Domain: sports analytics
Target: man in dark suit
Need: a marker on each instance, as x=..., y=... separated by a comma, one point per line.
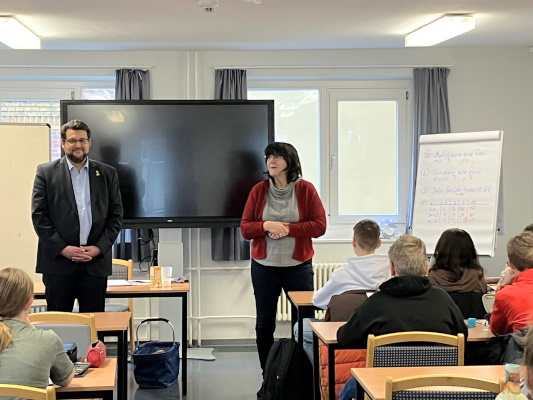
x=77, y=214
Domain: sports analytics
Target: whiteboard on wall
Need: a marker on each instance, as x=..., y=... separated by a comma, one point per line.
x=457, y=186
x=22, y=148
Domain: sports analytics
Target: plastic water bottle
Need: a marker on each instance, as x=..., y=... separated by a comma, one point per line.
x=511, y=390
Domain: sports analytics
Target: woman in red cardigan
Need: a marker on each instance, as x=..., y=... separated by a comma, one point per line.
x=282, y=215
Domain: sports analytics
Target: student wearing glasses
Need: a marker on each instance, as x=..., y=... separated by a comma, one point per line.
x=282, y=215
x=77, y=215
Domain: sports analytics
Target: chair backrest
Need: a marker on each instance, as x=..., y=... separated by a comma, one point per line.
x=416, y=349
x=397, y=389
x=122, y=269
x=38, y=308
x=488, y=302
x=27, y=392
x=70, y=327
x=342, y=306
x=470, y=304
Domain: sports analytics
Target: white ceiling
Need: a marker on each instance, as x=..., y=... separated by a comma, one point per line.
x=271, y=25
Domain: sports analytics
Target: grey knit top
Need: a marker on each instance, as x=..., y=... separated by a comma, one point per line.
x=281, y=205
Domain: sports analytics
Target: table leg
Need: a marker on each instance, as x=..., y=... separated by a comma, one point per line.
x=300, y=329
x=184, y=344
x=122, y=361
x=331, y=372
x=294, y=318
x=122, y=365
x=360, y=392
x=316, y=368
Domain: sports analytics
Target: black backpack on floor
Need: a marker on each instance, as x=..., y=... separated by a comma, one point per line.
x=281, y=380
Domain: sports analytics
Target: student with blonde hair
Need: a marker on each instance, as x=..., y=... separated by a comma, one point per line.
x=28, y=356
x=365, y=272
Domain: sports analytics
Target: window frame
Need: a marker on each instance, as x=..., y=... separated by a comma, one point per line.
x=403, y=160
x=340, y=228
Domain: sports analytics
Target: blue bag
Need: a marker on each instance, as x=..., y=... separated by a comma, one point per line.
x=156, y=364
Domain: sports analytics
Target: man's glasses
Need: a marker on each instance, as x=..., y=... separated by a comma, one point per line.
x=74, y=141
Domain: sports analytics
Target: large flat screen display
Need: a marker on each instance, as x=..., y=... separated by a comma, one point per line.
x=180, y=163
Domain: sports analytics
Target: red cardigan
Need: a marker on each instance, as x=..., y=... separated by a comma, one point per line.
x=312, y=222
x=513, y=305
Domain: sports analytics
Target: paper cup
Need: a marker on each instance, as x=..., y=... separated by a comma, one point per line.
x=166, y=274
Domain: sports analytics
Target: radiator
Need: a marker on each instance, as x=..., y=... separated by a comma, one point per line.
x=322, y=271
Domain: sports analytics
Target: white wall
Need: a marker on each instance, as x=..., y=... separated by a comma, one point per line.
x=489, y=89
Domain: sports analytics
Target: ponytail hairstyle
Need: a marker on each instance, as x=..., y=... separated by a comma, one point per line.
x=16, y=289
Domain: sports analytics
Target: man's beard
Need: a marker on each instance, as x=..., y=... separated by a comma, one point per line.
x=77, y=160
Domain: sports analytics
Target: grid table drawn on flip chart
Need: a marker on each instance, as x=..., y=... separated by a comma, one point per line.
x=457, y=186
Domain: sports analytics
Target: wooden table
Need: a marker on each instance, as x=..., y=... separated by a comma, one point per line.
x=300, y=301
x=327, y=333
x=179, y=290
x=97, y=382
x=372, y=380
x=480, y=333
x=116, y=324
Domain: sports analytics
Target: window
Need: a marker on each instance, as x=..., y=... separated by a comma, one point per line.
x=369, y=163
x=296, y=115
x=36, y=112
x=353, y=142
x=98, y=94
x=35, y=106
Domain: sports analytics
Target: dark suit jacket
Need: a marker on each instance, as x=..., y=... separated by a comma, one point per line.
x=55, y=216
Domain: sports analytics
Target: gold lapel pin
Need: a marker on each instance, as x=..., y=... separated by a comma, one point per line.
x=97, y=173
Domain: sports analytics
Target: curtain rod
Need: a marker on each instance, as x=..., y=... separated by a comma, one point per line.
x=78, y=66
x=329, y=66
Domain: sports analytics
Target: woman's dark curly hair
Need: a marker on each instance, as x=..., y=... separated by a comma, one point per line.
x=290, y=155
x=455, y=252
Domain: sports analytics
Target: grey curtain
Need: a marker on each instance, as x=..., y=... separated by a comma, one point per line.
x=431, y=115
x=227, y=244
x=231, y=84
x=132, y=84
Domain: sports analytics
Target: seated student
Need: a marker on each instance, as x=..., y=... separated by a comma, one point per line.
x=508, y=274
x=406, y=302
x=28, y=356
x=457, y=270
x=513, y=304
x=365, y=272
x=347, y=289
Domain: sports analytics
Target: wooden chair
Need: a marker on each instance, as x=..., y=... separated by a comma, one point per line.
x=488, y=301
x=398, y=389
x=123, y=269
x=388, y=351
x=27, y=392
x=70, y=327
